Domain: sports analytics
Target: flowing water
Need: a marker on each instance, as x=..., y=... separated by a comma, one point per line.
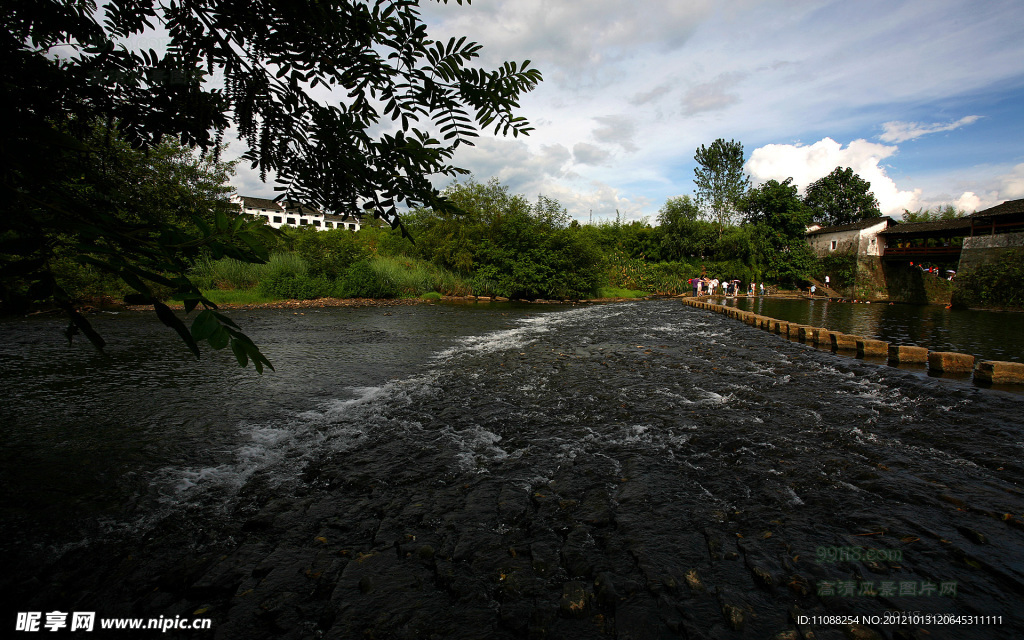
x=636, y=470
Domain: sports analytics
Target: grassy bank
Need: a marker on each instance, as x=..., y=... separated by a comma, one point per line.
x=289, y=276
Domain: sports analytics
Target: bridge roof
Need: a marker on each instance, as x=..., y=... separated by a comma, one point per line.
x=1008, y=208
x=863, y=223
x=931, y=229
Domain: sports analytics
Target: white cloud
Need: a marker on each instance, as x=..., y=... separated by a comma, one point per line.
x=1012, y=183
x=968, y=202
x=807, y=163
x=632, y=89
x=618, y=130
x=896, y=131
x=549, y=170
x=571, y=37
x=712, y=96
x=585, y=153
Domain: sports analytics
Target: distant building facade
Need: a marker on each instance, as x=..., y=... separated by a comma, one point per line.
x=859, y=237
x=277, y=215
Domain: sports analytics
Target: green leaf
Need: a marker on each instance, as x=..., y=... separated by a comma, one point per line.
x=138, y=299
x=239, y=349
x=225, y=320
x=191, y=304
x=219, y=339
x=204, y=325
x=171, y=320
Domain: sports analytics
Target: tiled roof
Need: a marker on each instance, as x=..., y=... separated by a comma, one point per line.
x=1007, y=208
x=905, y=228
x=259, y=203
x=302, y=209
x=853, y=226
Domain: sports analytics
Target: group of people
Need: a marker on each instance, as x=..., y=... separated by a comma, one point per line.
x=708, y=287
x=936, y=271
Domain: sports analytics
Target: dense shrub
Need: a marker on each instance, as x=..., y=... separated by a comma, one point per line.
x=841, y=268
x=294, y=286
x=331, y=253
x=287, y=275
x=365, y=279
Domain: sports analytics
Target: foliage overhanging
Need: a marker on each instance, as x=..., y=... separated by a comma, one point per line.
x=349, y=105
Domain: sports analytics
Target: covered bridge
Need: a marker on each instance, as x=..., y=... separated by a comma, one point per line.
x=993, y=232
x=934, y=241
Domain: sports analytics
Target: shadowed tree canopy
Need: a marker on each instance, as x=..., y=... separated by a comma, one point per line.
x=683, y=233
x=778, y=220
x=720, y=181
x=841, y=197
x=349, y=105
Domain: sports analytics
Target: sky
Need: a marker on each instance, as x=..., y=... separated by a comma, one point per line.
x=923, y=99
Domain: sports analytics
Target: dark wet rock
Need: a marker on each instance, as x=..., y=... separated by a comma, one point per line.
x=425, y=554
x=605, y=593
x=735, y=616
x=681, y=496
x=861, y=632
x=693, y=581
x=575, y=601
x=799, y=585
x=596, y=508
x=638, y=619
x=543, y=619
x=631, y=491
x=516, y=615
x=974, y=536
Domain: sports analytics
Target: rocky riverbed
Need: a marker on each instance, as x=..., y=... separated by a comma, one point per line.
x=643, y=470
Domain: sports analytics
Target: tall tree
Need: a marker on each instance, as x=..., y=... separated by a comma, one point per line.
x=778, y=221
x=841, y=197
x=348, y=104
x=682, y=231
x=720, y=180
x=940, y=212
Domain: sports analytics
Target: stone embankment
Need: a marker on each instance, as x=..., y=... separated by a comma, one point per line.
x=940, y=362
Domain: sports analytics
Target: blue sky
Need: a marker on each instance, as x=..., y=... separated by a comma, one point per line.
x=921, y=98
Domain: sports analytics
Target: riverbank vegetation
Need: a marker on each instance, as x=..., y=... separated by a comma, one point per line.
x=492, y=242
x=484, y=241
x=995, y=285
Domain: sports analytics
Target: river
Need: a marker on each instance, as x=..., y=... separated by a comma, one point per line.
x=632, y=470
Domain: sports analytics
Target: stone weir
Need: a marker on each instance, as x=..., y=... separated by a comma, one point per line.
x=940, y=362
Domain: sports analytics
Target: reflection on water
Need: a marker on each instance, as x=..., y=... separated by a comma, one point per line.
x=989, y=335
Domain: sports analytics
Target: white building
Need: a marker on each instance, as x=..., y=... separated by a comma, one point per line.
x=277, y=215
x=860, y=237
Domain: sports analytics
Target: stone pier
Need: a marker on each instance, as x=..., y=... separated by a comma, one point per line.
x=872, y=348
x=986, y=371
x=950, y=362
x=902, y=354
x=843, y=342
x=999, y=372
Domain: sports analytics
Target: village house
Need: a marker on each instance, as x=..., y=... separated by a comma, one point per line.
x=277, y=215
x=859, y=237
